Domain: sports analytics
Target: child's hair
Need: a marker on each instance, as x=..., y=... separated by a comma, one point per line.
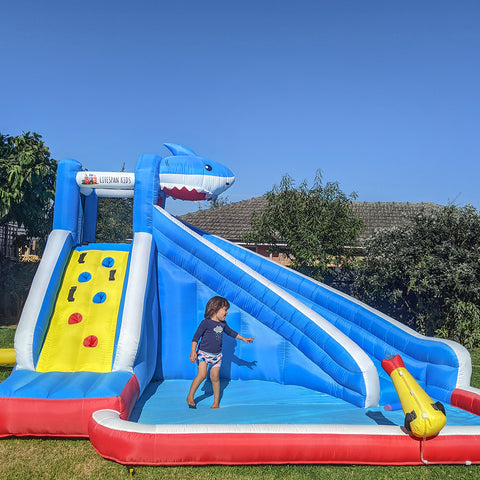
x=214, y=305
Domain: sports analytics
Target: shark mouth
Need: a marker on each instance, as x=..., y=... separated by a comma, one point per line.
x=194, y=187
x=185, y=194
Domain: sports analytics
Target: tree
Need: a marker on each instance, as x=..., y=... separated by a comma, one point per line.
x=27, y=189
x=27, y=183
x=212, y=204
x=312, y=226
x=427, y=273
x=114, y=219
x=219, y=202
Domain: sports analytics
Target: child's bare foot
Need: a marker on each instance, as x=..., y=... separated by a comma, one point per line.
x=215, y=406
x=191, y=403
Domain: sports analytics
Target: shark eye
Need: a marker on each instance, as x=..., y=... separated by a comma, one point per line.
x=208, y=167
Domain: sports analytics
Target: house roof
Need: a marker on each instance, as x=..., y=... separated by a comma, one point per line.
x=232, y=221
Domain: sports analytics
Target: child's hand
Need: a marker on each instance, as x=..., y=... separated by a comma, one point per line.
x=243, y=339
x=193, y=356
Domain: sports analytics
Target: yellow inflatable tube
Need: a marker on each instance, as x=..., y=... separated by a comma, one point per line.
x=423, y=417
x=7, y=356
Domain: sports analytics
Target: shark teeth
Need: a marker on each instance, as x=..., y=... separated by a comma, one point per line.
x=186, y=194
x=180, y=186
x=194, y=187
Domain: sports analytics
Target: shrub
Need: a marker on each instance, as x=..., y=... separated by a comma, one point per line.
x=427, y=273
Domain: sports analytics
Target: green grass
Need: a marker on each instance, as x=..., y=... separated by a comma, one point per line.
x=6, y=337
x=475, y=354
x=26, y=459
x=70, y=459
x=6, y=341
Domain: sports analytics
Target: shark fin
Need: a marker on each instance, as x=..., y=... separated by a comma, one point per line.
x=179, y=149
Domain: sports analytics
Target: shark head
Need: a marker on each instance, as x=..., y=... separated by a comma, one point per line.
x=186, y=176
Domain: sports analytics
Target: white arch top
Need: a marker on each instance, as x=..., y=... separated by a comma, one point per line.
x=106, y=184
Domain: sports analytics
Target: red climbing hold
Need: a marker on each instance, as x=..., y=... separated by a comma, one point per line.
x=75, y=318
x=90, y=341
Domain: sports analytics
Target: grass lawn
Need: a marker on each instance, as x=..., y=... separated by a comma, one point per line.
x=25, y=459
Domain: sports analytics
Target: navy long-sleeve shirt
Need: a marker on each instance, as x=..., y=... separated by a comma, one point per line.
x=211, y=333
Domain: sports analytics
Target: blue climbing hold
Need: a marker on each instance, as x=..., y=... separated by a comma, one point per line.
x=84, y=277
x=99, y=297
x=108, y=262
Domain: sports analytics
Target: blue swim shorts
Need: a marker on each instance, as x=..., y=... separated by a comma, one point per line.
x=215, y=361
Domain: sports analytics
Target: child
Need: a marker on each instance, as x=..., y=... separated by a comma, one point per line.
x=209, y=352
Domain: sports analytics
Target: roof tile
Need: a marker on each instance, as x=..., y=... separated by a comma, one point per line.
x=232, y=221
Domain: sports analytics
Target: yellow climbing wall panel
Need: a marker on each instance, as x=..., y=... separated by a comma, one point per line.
x=81, y=334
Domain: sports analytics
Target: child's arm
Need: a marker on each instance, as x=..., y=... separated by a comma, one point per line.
x=243, y=339
x=196, y=338
x=236, y=335
x=193, y=352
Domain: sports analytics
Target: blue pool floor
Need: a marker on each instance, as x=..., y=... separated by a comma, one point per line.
x=255, y=401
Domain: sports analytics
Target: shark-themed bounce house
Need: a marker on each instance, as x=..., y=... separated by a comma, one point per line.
x=102, y=346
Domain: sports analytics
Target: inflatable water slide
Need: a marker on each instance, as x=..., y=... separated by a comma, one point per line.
x=102, y=346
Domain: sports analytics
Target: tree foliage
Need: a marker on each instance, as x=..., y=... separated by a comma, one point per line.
x=212, y=204
x=114, y=219
x=27, y=183
x=219, y=202
x=312, y=226
x=427, y=273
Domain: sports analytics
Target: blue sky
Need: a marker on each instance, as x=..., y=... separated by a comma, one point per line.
x=382, y=95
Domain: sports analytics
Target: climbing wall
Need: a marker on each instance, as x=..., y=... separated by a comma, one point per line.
x=81, y=335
